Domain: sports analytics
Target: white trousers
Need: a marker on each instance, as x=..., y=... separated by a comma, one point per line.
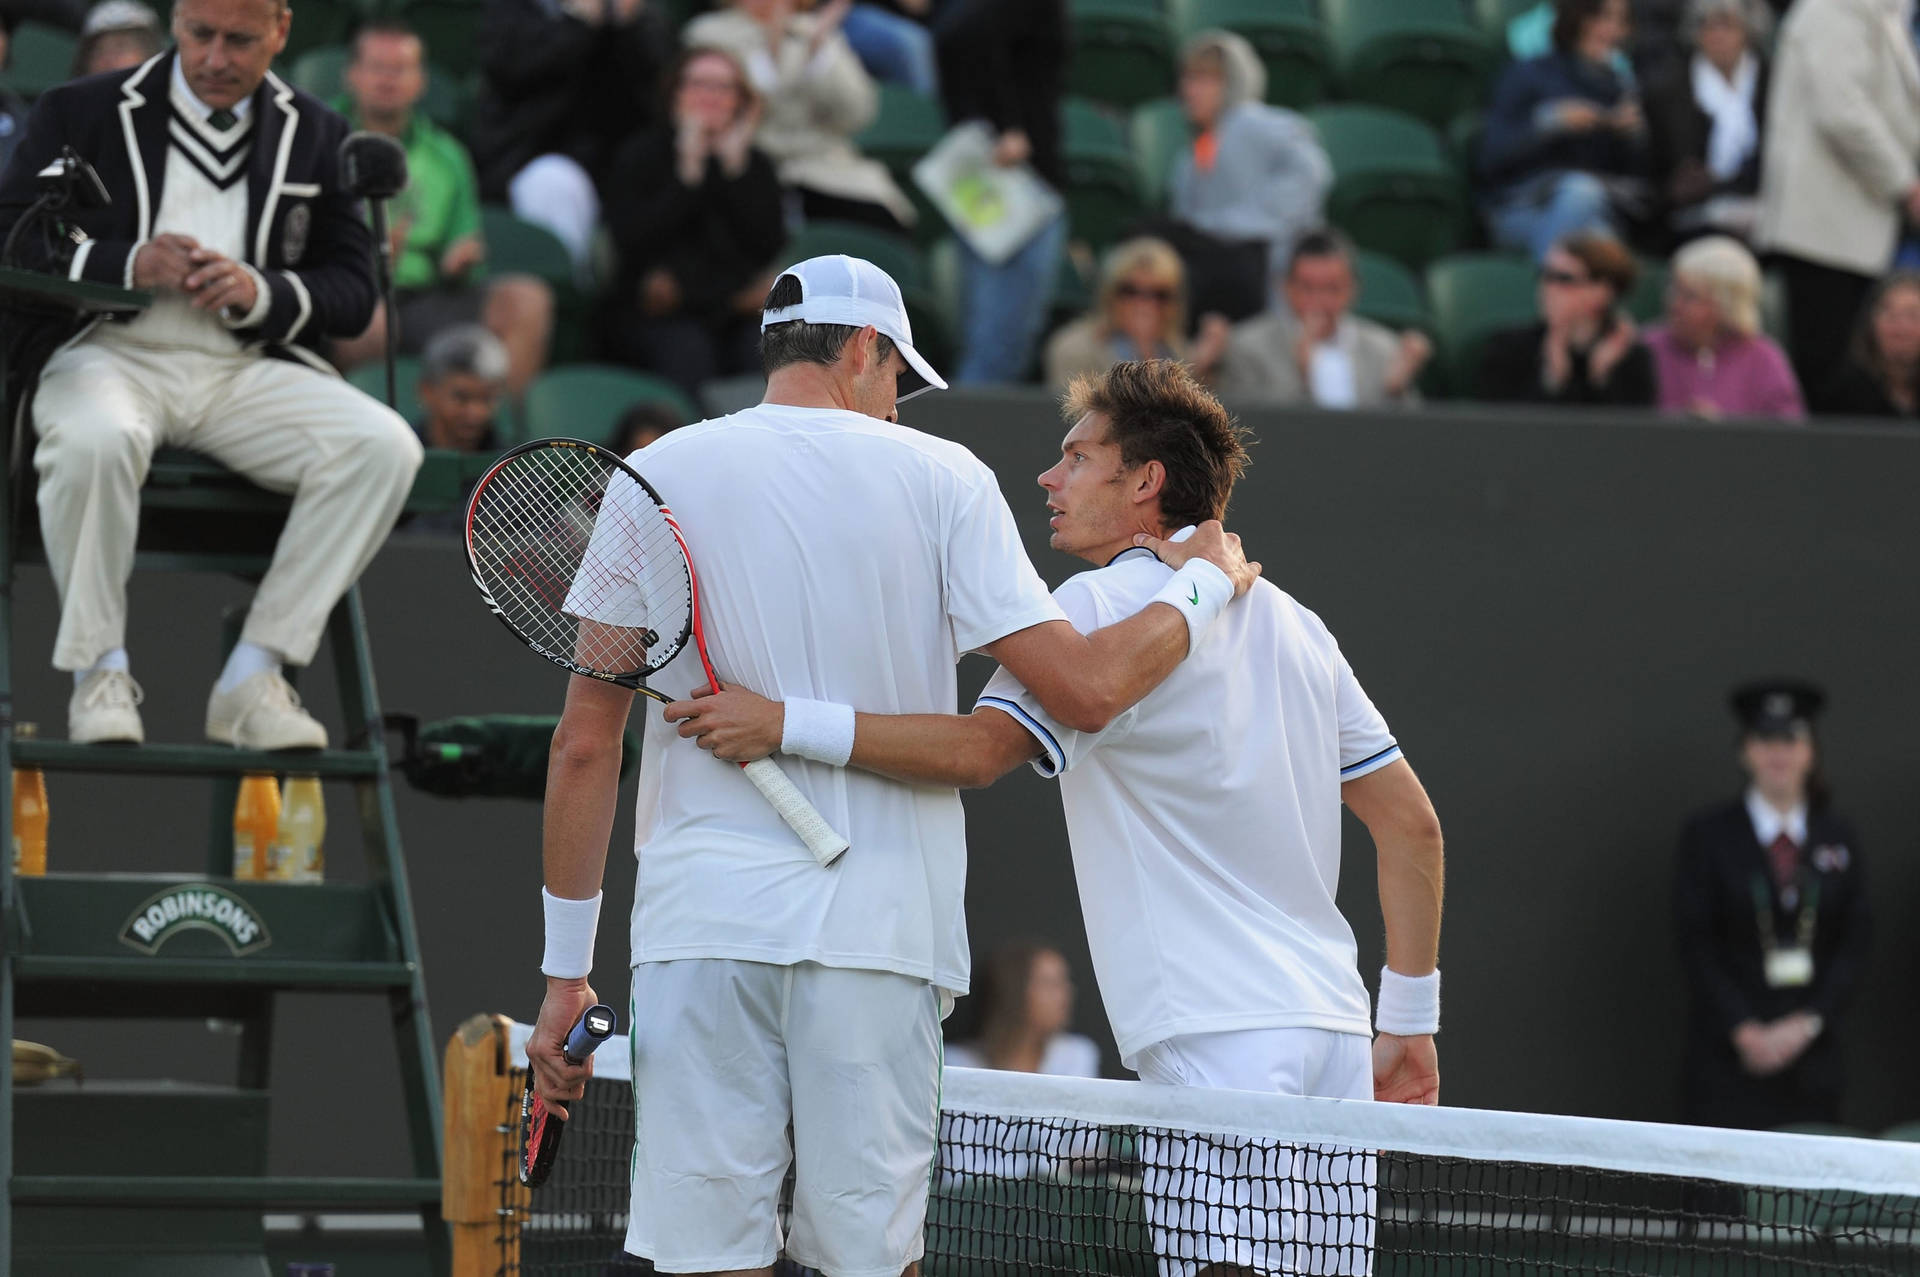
x=105, y=403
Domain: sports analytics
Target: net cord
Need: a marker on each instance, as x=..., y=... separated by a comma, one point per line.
x=1736, y=1157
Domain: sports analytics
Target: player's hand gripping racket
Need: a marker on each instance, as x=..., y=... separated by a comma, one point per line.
x=539, y=1133
x=583, y=561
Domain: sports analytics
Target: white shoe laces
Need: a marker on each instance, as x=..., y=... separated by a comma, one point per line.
x=110, y=689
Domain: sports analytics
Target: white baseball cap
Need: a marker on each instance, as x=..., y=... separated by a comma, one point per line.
x=853, y=291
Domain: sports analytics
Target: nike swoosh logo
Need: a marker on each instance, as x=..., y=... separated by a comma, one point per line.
x=1194, y=596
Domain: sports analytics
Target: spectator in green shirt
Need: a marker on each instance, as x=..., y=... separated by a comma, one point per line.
x=439, y=257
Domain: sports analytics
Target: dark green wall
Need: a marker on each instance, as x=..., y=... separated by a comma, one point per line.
x=1548, y=611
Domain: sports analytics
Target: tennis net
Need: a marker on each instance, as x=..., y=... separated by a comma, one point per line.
x=1039, y=1175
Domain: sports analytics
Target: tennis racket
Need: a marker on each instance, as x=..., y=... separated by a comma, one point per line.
x=582, y=560
x=539, y=1134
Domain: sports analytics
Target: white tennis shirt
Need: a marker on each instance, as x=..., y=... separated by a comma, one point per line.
x=1205, y=821
x=840, y=558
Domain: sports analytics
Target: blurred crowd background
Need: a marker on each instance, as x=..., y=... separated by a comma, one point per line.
x=1699, y=207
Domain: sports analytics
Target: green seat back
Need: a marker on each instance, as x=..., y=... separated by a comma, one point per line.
x=1159, y=132
x=41, y=57
x=1648, y=300
x=584, y=401
x=1103, y=192
x=447, y=29
x=372, y=378
x=1908, y=1132
x=1493, y=17
x=1471, y=295
x=322, y=72
x=908, y=126
x=1425, y=57
x=1287, y=34
x=520, y=247
x=1122, y=51
x=317, y=23
x=1395, y=190
x=1388, y=293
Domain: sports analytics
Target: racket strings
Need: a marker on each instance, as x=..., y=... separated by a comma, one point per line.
x=581, y=561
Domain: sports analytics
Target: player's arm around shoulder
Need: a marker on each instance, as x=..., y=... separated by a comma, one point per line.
x=1396, y=810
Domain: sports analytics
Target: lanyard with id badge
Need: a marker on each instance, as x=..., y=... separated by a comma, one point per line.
x=1787, y=966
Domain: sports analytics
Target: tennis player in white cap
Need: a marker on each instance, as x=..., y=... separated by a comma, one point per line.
x=844, y=561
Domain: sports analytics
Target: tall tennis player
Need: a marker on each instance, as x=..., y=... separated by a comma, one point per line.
x=843, y=561
x=1205, y=828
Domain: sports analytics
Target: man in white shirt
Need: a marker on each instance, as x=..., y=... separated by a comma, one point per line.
x=1204, y=820
x=844, y=560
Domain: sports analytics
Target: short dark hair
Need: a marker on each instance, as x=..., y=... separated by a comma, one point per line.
x=1569, y=16
x=798, y=342
x=1322, y=242
x=1156, y=410
x=383, y=25
x=1605, y=257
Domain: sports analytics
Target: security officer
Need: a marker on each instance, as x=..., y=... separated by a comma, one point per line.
x=1771, y=907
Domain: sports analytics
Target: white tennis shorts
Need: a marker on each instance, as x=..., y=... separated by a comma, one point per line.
x=1263, y=1205
x=731, y=1056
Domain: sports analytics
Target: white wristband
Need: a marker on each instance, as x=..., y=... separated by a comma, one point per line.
x=1409, y=1005
x=571, y=925
x=1198, y=591
x=820, y=730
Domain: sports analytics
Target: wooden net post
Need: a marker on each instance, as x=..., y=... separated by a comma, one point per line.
x=482, y=1199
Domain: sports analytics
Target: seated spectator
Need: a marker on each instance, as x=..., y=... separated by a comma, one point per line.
x=1882, y=373
x=1309, y=348
x=695, y=211
x=817, y=97
x=117, y=35
x=1253, y=181
x=1585, y=349
x=463, y=375
x=1141, y=314
x=563, y=84
x=1024, y=995
x=1565, y=145
x=13, y=107
x=1004, y=63
x=1710, y=356
x=1705, y=120
x=1840, y=176
x=640, y=425
x=891, y=39
x=439, y=275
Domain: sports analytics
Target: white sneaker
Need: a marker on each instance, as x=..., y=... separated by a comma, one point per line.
x=105, y=708
x=263, y=713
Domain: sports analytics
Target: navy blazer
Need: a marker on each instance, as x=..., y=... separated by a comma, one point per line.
x=306, y=237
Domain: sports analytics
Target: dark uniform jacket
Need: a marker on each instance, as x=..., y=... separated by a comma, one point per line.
x=1718, y=921
x=305, y=236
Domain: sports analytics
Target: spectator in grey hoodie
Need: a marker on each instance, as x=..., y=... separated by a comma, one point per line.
x=1254, y=179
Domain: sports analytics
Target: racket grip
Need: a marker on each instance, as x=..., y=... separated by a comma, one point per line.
x=594, y=1026
x=801, y=816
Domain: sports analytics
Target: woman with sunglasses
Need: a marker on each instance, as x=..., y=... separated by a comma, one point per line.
x=1584, y=349
x=1141, y=314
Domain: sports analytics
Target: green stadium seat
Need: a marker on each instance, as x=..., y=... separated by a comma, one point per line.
x=520, y=247
x=1122, y=51
x=1388, y=292
x=1103, y=193
x=908, y=126
x=1424, y=57
x=895, y=254
x=1493, y=17
x=1394, y=189
x=446, y=28
x=1906, y=1132
x=1648, y=300
x=1159, y=132
x=41, y=57
x=1285, y=33
x=372, y=378
x=584, y=401
x=1470, y=296
x=322, y=22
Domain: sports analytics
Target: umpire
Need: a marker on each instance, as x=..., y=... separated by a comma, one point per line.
x=226, y=203
x=1771, y=908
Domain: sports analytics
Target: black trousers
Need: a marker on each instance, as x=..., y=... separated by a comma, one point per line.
x=1823, y=306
